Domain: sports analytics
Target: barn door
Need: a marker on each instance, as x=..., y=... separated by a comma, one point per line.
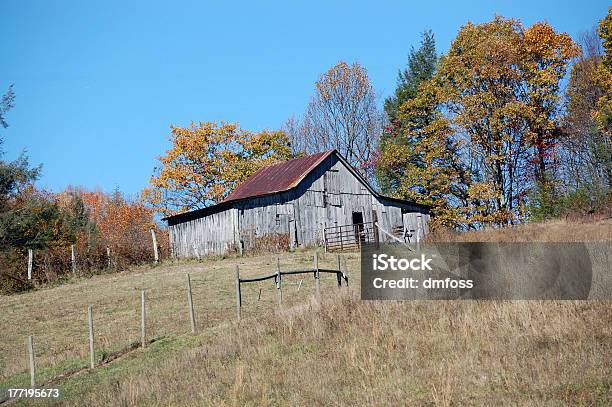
x=358, y=227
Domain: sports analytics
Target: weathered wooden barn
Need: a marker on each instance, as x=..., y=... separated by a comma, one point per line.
x=316, y=200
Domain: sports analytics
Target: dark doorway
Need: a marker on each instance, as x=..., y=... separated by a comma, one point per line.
x=358, y=227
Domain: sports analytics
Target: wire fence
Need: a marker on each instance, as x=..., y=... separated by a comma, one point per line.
x=161, y=312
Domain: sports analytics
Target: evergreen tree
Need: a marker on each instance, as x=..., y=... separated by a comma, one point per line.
x=421, y=67
x=6, y=104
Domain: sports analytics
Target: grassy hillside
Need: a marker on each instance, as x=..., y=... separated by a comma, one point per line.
x=345, y=352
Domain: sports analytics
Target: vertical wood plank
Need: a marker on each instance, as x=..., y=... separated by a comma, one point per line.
x=155, y=252
x=30, y=260
x=190, y=303
x=31, y=362
x=375, y=229
x=238, y=294
x=418, y=232
x=92, y=351
x=143, y=327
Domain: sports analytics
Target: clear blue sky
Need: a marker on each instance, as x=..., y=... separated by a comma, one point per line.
x=99, y=82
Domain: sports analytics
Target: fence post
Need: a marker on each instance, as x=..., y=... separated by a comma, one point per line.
x=155, y=253
x=278, y=282
x=143, y=328
x=345, y=273
x=73, y=259
x=339, y=273
x=92, y=351
x=238, y=294
x=31, y=360
x=195, y=250
x=108, y=256
x=190, y=302
x=317, y=276
x=30, y=259
x=418, y=233
x=375, y=231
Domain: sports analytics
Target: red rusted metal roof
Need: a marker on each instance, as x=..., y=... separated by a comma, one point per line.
x=277, y=178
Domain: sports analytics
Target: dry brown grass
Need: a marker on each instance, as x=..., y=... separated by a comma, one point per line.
x=57, y=316
x=350, y=352
x=346, y=352
x=557, y=230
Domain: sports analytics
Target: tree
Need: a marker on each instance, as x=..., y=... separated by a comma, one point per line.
x=6, y=104
x=495, y=104
x=544, y=64
x=207, y=161
x=421, y=67
x=431, y=172
x=604, y=112
x=343, y=115
x=588, y=153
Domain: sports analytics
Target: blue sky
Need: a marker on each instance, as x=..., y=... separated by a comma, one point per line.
x=99, y=83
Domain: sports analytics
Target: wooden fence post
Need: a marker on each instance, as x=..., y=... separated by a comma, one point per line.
x=190, y=302
x=31, y=360
x=143, y=330
x=278, y=283
x=238, y=294
x=418, y=233
x=155, y=253
x=375, y=229
x=345, y=273
x=92, y=351
x=30, y=260
x=108, y=256
x=73, y=259
x=317, y=276
x=195, y=250
x=339, y=273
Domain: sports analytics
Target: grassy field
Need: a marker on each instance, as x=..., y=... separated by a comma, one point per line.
x=344, y=352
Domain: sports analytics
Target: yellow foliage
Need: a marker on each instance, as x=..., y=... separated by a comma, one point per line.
x=207, y=161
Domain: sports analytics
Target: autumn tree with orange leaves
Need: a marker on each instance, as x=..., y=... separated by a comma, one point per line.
x=123, y=226
x=207, y=161
x=496, y=102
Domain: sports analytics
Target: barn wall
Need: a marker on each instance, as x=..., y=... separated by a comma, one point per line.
x=212, y=234
x=328, y=196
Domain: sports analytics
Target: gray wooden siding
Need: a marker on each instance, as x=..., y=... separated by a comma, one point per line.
x=212, y=234
x=328, y=196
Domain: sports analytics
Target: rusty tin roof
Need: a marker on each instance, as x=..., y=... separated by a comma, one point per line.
x=277, y=178
x=274, y=179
